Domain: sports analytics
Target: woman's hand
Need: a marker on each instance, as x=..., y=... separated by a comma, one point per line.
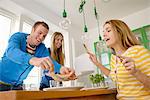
x=68, y=73
x=93, y=58
x=129, y=64
x=98, y=64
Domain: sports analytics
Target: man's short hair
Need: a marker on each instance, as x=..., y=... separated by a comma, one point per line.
x=41, y=23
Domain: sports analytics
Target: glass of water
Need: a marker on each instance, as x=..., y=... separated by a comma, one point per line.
x=54, y=83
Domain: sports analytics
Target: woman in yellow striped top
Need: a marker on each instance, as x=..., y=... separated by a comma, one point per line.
x=130, y=63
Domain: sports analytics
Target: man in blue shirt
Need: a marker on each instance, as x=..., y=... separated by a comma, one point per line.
x=25, y=51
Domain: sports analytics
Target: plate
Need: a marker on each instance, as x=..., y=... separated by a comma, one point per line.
x=71, y=88
x=85, y=73
x=94, y=88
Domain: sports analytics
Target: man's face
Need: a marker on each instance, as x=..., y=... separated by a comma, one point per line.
x=38, y=35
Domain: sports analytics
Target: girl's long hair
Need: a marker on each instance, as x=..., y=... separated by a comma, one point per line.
x=127, y=37
x=57, y=53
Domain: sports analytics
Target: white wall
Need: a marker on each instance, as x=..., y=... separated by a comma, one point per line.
x=138, y=19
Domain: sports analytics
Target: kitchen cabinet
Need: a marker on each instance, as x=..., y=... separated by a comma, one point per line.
x=143, y=35
x=103, y=53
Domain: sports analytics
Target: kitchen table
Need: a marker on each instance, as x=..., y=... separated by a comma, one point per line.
x=92, y=94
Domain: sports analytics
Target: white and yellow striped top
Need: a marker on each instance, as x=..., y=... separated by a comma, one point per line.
x=128, y=87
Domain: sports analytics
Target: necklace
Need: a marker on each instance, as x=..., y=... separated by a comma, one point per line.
x=32, y=46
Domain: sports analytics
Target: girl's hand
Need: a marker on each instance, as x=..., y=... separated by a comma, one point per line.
x=66, y=70
x=62, y=77
x=93, y=58
x=129, y=64
x=67, y=73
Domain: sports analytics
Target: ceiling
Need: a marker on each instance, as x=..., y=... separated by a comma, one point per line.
x=106, y=10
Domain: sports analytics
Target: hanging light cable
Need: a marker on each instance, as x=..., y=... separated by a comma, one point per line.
x=81, y=9
x=64, y=12
x=85, y=27
x=65, y=23
x=97, y=19
x=84, y=36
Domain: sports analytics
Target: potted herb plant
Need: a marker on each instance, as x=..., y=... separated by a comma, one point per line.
x=97, y=80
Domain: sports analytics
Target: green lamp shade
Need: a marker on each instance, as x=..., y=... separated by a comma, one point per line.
x=100, y=38
x=85, y=29
x=64, y=14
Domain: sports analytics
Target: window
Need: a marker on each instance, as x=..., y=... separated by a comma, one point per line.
x=26, y=28
x=6, y=22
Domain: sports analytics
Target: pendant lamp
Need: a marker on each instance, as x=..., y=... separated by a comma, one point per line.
x=65, y=23
x=81, y=10
x=84, y=36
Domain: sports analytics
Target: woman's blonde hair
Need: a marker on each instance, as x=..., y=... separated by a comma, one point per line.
x=127, y=37
x=57, y=53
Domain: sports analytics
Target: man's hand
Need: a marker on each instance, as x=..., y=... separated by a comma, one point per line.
x=44, y=63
